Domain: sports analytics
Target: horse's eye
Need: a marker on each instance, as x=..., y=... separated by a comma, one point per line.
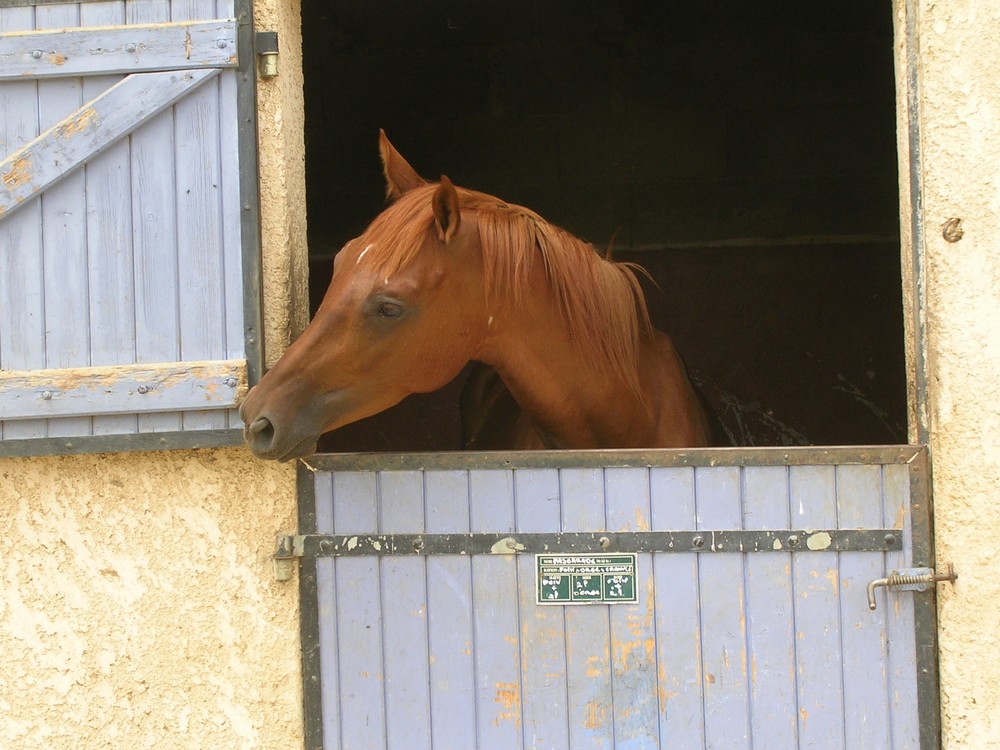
x=390, y=310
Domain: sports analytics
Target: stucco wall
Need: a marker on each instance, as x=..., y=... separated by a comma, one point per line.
x=956, y=101
x=281, y=134
x=137, y=604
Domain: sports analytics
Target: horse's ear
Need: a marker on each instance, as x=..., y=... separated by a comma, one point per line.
x=400, y=177
x=447, y=216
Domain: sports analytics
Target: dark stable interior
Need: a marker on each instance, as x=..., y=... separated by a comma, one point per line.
x=743, y=153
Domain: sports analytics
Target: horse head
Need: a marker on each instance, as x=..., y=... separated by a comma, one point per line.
x=397, y=293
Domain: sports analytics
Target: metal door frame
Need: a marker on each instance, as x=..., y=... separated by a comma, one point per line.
x=920, y=553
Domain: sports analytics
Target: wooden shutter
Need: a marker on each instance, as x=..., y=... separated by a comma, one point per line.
x=129, y=271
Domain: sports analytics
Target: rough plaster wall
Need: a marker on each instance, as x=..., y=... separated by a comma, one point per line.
x=281, y=128
x=137, y=606
x=958, y=110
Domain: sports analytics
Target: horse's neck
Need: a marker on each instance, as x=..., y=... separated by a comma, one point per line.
x=573, y=401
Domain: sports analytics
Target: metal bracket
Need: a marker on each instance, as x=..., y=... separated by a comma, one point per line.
x=909, y=579
x=266, y=46
x=588, y=542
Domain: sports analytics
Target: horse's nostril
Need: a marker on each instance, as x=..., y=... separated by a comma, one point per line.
x=262, y=431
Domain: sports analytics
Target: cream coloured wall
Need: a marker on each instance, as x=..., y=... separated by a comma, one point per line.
x=950, y=65
x=137, y=604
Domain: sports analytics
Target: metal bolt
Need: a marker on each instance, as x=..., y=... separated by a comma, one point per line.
x=222, y=43
x=143, y=389
x=604, y=542
x=698, y=542
x=418, y=545
x=131, y=47
x=47, y=395
x=37, y=54
x=325, y=546
x=793, y=540
x=231, y=382
x=890, y=540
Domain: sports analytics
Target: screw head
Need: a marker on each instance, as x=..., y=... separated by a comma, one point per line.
x=143, y=389
x=131, y=47
x=37, y=54
x=47, y=395
x=698, y=541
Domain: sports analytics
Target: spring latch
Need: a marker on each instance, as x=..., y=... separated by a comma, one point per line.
x=909, y=579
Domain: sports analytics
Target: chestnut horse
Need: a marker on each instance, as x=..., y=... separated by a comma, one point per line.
x=445, y=276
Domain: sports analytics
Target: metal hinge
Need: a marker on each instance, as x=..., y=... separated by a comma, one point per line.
x=266, y=47
x=909, y=579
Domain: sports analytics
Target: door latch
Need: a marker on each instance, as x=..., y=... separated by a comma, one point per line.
x=910, y=579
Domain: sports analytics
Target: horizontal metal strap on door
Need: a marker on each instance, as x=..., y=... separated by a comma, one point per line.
x=805, y=540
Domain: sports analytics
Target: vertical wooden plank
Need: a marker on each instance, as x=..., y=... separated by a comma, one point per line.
x=633, y=631
x=232, y=211
x=543, y=646
x=590, y=702
x=770, y=630
x=199, y=222
x=678, y=621
x=449, y=607
x=154, y=234
x=109, y=238
x=723, y=612
x=897, y=609
x=67, y=339
x=864, y=665
x=232, y=214
x=496, y=645
x=326, y=601
x=817, y=612
x=359, y=615
x=22, y=300
x=404, y=616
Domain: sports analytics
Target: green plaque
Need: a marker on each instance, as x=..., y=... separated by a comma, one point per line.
x=602, y=578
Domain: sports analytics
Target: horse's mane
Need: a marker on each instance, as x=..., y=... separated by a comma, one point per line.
x=601, y=301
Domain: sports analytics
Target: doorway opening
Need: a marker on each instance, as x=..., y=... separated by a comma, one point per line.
x=744, y=154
